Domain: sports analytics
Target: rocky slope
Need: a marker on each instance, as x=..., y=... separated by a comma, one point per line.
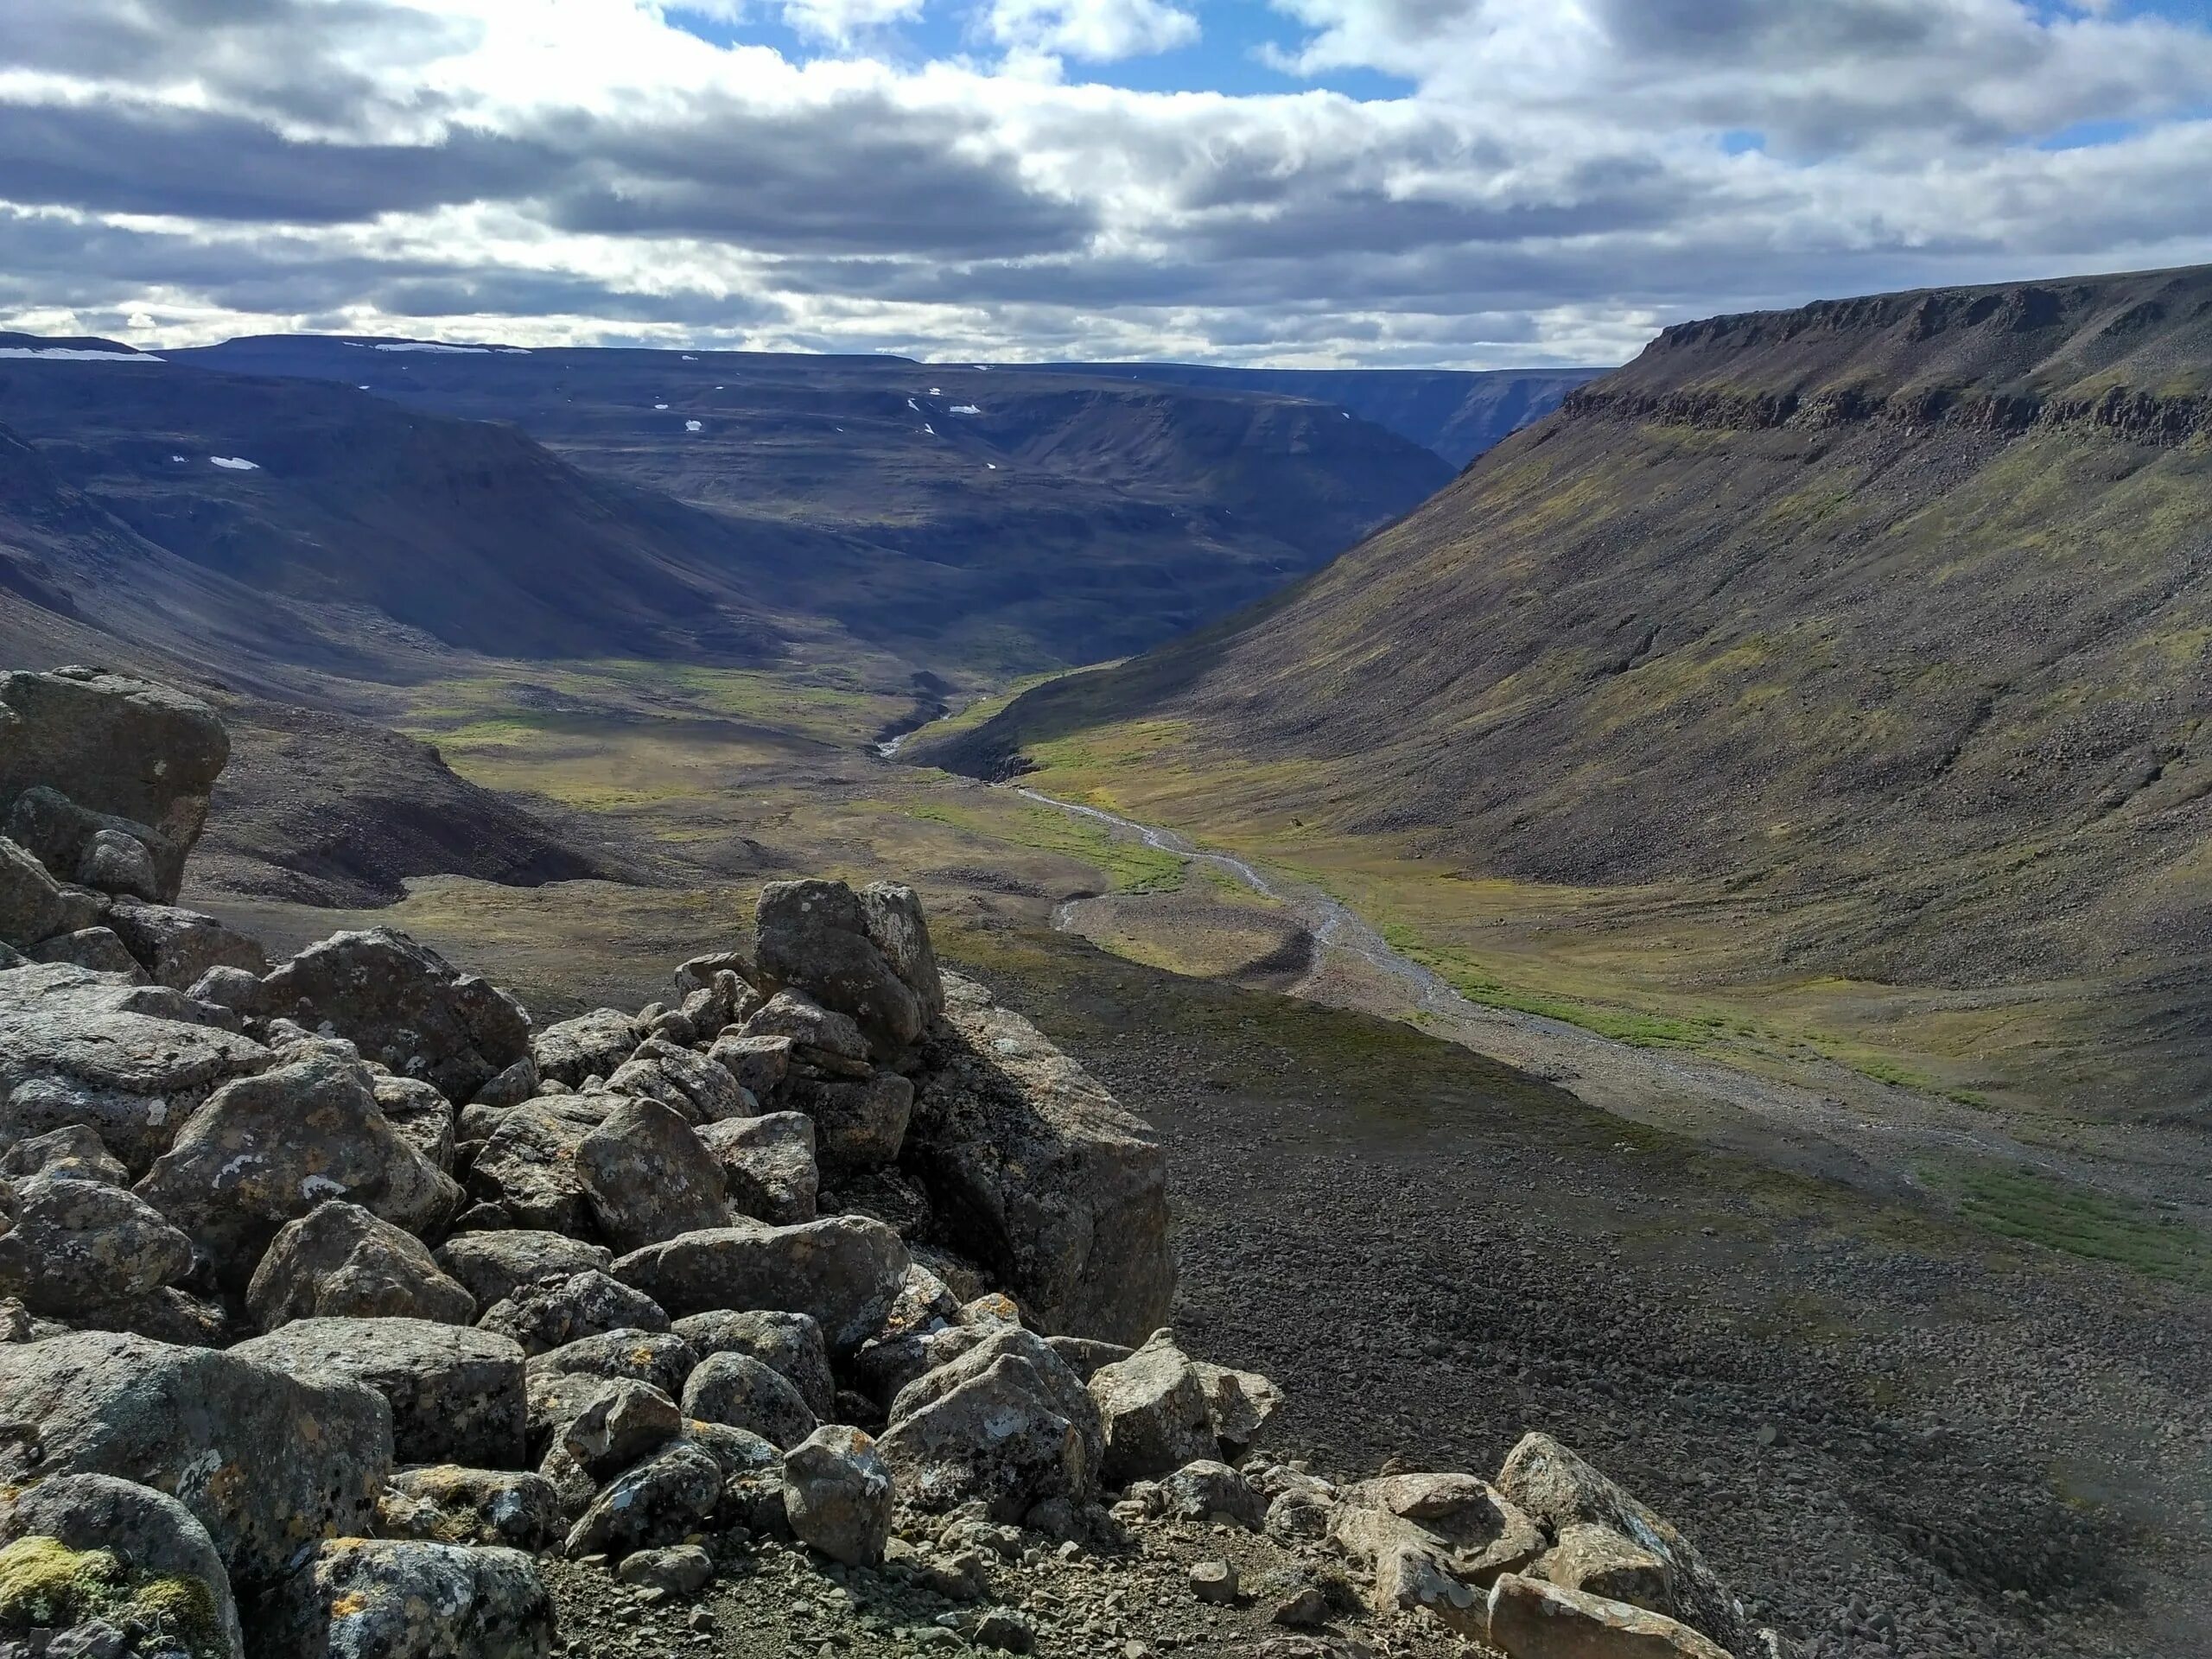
x=1878, y=626
x=349, y=1312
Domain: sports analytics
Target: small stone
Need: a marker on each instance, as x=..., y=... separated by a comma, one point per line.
x=1214, y=1582
x=678, y=1570
x=1005, y=1628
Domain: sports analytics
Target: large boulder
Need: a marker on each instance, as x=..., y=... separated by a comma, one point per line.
x=859, y=1123
x=1038, y=1174
x=75, y=1152
x=659, y=1358
x=1006, y=1425
x=768, y=1165
x=788, y=1344
x=813, y=936
x=97, y=950
x=590, y=1046
x=897, y=927
x=701, y=1088
x=75, y=1244
x=649, y=1178
x=456, y=1394
x=396, y=1598
x=1152, y=1408
x=1557, y=1488
x=446, y=1503
x=162, y=1579
x=340, y=1261
x=1599, y=1561
x=620, y=1422
x=266, y=1149
x=550, y=1313
x=113, y=744
x=131, y=1063
x=837, y=1494
x=493, y=1266
x=34, y=906
x=527, y=1166
x=842, y=1271
x=742, y=1392
x=661, y=1500
x=1527, y=1619
x=95, y=849
x=267, y=1461
x=1474, y=1531
x=179, y=946
x=405, y=1006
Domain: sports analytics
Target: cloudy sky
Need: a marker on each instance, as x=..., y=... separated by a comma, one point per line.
x=1457, y=183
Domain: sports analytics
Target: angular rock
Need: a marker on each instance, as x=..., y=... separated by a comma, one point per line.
x=1408, y=1568
x=1039, y=1174
x=405, y=1007
x=446, y=1503
x=590, y=1046
x=857, y=1125
x=897, y=927
x=1208, y=1491
x=768, y=1165
x=179, y=946
x=1085, y=1356
x=121, y=745
x=649, y=1178
x=121, y=866
x=96, y=950
x=1237, y=1403
x=396, y=1598
x=528, y=1166
x=200, y=1425
x=33, y=906
x=1152, y=1406
x=813, y=936
x=550, y=1313
x=740, y=1392
x=493, y=1266
x=837, y=1494
x=703, y=1091
x=456, y=1394
x=69, y=840
x=620, y=1424
x=660, y=1501
x=421, y=1115
x=842, y=1271
x=340, y=1261
x=1599, y=1561
x=234, y=988
x=1482, y=1532
x=164, y=1561
x=659, y=1358
x=788, y=1344
x=264, y=1150
x=757, y=1064
x=679, y=1570
x=1530, y=1619
x=75, y=1244
x=1006, y=1425
x=818, y=1036
x=519, y=1082
x=75, y=1151
x=752, y=1477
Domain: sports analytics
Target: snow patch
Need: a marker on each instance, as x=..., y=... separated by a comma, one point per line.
x=660, y=405
x=937, y=391
x=688, y=357
x=433, y=348
x=695, y=426
x=235, y=463
x=76, y=354
x=912, y=404
x=182, y=461
x=927, y=428
x=966, y=408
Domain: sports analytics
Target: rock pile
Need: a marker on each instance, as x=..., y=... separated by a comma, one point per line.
x=352, y=1314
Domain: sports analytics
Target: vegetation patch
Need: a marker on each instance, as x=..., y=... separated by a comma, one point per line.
x=2060, y=1215
x=45, y=1585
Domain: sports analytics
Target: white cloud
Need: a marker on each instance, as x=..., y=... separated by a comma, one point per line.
x=1097, y=31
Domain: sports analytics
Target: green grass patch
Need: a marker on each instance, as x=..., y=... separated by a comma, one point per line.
x=1634, y=1026
x=2061, y=1214
x=1128, y=866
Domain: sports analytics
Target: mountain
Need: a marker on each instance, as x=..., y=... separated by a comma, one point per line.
x=1873, y=635
x=980, y=519
x=1457, y=413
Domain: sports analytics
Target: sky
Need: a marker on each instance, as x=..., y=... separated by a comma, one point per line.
x=1392, y=183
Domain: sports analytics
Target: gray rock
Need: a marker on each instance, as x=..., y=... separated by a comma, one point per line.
x=679, y=1570
x=1237, y=1403
x=897, y=928
x=527, y=1166
x=649, y=1178
x=857, y=1124
x=423, y=1116
x=200, y=1425
x=1527, y=1619
x=813, y=936
x=405, y=1007
x=340, y=1261
x=74, y=1150
x=739, y=1391
x=178, y=947
x=96, y=950
x=838, y=1495
x=1215, y=1582
x=658, y=1358
x=493, y=1266
x=1209, y=1491
x=788, y=1344
x=63, y=836
x=234, y=988
x=1152, y=1407
x=1036, y=1172
x=757, y=1064
x=1086, y=1355
x=511, y=1087
x=33, y=906
x=590, y=1046
x=621, y=1422
x=842, y=1271
x=1006, y=1629
x=550, y=1313
x=399, y=1599
x=768, y=1165
x=120, y=865
x=456, y=1394
x=264, y=1150
x=1006, y=1425
x=703, y=1091
x=818, y=1036
x=660, y=1501
x=112, y=744
x=151, y=1535
x=75, y=1243
x=446, y=1503
x=1599, y=1561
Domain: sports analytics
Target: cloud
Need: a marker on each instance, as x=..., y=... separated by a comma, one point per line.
x=1552, y=181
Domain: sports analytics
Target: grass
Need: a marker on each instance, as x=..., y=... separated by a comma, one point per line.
x=1128, y=866
x=2060, y=1215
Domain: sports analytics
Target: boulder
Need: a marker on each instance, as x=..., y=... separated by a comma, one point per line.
x=679, y=1570
x=399, y=1599
x=550, y=1313
x=74, y=1150
x=1408, y=1568
x=813, y=936
x=1527, y=1619
x=161, y=1579
x=739, y=1391
x=662, y=1500
x=492, y=1266
x=456, y=1394
x=1152, y=1408
x=897, y=927
x=75, y=1244
x=842, y=1271
x=1006, y=1425
x=527, y=1166
x=1557, y=1488
x=857, y=1124
x=114, y=745
x=234, y=988
x=649, y=1178
x=1599, y=1561
x=752, y=1477
x=1086, y=1355
x=756, y=1063
x=788, y=1344
x=340, y=1261
x=121, y=866
x=694, y=1085
x=423, y=1116
x=96, y=849
x=1476, y=1532
x=590, y=1046
x=819, y=1038
x=1211, y=1491
x=96, y=950
x=264, y=1150
x=265, y=1460
x=34, y=906
x=178, y=947
x=405, y=1007
x=1036, y=1172
x=660, y=1359
x=131, y=1063
x=519, y=1082
x=446, y=1503
x=1237, y=1403
x=837, y=1494
x=768, y=1165
x=621, y=1422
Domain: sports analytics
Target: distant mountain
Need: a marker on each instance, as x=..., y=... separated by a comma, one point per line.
x=1457, y=413
x=1889, y=620
x=981, y=518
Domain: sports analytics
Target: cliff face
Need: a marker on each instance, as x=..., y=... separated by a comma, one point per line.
x=1892, y=613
